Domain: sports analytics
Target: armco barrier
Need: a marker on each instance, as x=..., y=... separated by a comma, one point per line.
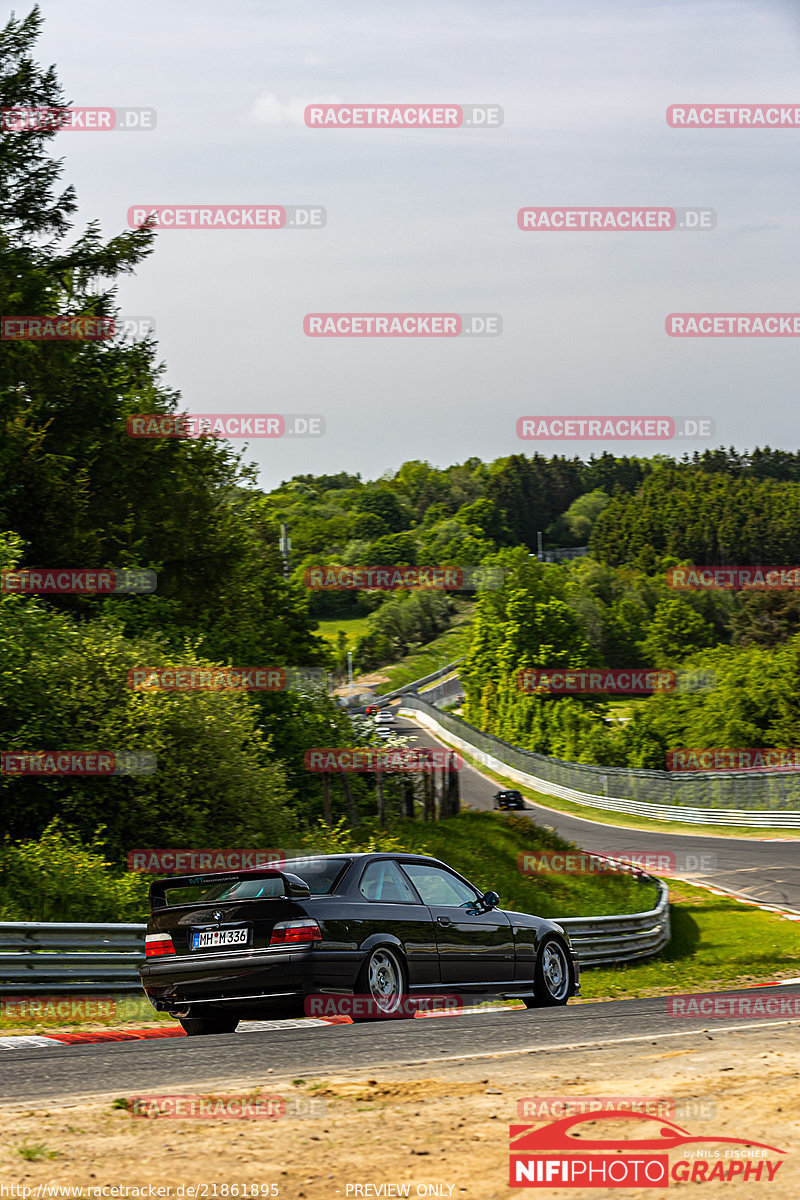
x=43, y=956
x=60, y=957
x=416, y=684
x=600, y=941
x=769, y=800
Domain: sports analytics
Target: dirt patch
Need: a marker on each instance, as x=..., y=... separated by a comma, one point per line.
x=409, y=1127
x=361, y=683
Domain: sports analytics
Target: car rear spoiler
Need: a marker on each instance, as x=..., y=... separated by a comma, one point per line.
x=294, y=887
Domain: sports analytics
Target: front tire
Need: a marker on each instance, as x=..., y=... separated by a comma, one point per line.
x=200, y=1026
x=382, y=979
x=553, y=976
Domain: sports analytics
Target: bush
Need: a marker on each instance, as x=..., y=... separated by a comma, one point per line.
x=57, y=878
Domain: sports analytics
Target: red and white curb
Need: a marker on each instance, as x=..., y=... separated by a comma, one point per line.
x=787, y=914
x=48, y=1041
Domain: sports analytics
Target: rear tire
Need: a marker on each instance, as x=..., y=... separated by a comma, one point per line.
x=382, y=978
x=553, y=976
x=219, y=1023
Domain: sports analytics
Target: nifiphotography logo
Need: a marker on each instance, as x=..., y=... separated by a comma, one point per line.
x=553, y=1156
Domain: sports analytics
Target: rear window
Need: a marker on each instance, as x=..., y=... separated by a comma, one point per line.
x=320, y=874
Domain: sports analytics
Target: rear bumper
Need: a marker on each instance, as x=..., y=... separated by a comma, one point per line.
x=244, y=978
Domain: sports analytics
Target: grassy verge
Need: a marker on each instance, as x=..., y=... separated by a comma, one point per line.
x=353, y=627
x=717, y=942
x=486, y=846
x=129, y=1009
x=449, y=645
x=624, y=820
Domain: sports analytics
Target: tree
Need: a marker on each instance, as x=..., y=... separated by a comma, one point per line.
x=64, y=686
x=676, y=632
x=582, y=514
x=73, y=484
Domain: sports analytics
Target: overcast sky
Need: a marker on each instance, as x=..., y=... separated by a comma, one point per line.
x=425, y=221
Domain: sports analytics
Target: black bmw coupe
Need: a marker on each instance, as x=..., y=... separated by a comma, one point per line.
x=260, y=942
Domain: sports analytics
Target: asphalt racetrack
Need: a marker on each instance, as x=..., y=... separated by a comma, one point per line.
x=260, y=1055
x=767, y=871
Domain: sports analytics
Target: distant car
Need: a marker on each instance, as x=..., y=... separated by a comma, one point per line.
x=385, y=716
x=370, y=710
x=508, y=799
x=254, y=942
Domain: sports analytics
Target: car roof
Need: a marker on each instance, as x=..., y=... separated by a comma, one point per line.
x=364, y=855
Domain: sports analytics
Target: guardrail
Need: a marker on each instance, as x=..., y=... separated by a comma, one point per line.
x=416, y=684
x=601, y=941
x=56, y=957
x=766, y=800
x=62, y=957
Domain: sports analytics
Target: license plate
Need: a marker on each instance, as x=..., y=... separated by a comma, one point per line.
x=211, y=939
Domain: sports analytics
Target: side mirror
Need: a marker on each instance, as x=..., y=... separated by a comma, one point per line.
x=491, y=900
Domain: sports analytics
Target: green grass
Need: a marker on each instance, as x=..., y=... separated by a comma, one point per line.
x=37, y=1153
x=131, y=1008
x=485, y=847
x=354, y=627
x=716, y=943
x=424, y=661
x=449, y=645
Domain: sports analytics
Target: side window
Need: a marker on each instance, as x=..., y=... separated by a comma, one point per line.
x=384, y=883
x=439, y=887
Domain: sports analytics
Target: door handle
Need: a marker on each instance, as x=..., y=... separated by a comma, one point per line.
x=444, y=921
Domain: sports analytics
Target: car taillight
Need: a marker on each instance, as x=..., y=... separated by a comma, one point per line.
x=157, y=944
x=290, y=932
